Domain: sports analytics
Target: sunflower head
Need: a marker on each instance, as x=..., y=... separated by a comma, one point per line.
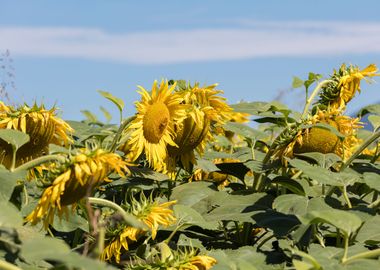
x=152, y=130
x=344, y=84
x=152, y=213
x=118, y=240
x=206, y=113
x=319, y=139
x=68, y=182
x=42, y=126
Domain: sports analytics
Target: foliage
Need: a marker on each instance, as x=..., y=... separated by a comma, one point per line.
x=230, y=196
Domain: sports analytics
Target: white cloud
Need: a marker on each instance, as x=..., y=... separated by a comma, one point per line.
x=252, y=39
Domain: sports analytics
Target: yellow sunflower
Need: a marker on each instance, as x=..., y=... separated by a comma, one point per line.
x=207, y=111
x=344, y=85
x=153, y=214
x=152, y=130
x=202, y=262
x=120, y=240
x=42, y=126
x=150, y=213
x=74, y=180
x=318, y=139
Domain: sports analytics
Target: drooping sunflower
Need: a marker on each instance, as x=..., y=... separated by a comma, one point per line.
x=207, y=111
x=152, y=130
x=119, y=240
x=42, y=126
x=69, y=182
x=185, y=259
x=320, y=139
x=344, y=85
x=150, y=212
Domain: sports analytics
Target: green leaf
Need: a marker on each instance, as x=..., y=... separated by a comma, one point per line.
x=90, y=116
x=117, y=101
x=14, y=137
x=251, y=107
x=10, y=216
x=297, y=82
x=191, y=193
x=245, y=131
x=369, y=232
x=372, y=180
x=106, y=114
x=187, y=215
x=375, y=121
x=73, y=222
x=345, y=221
x=244, y=258
x=147, y=173
x=323, y=160
x=183, y=240
x=9, y=181
x=292, y=185
x=291, y=204
x=375, y=109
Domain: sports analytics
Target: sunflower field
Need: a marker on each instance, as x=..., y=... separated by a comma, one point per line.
x=192, y=182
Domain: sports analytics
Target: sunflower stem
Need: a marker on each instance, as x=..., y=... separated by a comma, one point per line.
x=362, y=147
x=8, y=266
x=13, y=165
x=346, y=198
x=38, y=161
x=128, y=218
x=363, y=255
x=119, y=132
x=312, y=96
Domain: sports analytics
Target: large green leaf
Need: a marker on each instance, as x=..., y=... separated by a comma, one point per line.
x=14, y=137
x=369, y=233
x=191, y=193
x=293, y=185
x=245, y=131
x=345, y=221
x=10, y=216
x=187, y=215
x=291, y=204
x=9, y=181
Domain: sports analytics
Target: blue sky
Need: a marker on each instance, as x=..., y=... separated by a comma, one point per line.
x=63, y=51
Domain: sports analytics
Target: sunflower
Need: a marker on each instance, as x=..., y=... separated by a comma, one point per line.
x=120, y=239
x=184, y=259
x=152, y=213
x=71, y=181
x=152, y=130
x=207, y=111
x=146, y=210
x=42, y=126
x=344, y=85
x=319, y=139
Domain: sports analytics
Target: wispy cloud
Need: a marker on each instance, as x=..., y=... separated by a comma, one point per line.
x=252, y=39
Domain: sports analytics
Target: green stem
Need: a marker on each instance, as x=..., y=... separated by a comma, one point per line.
x=362, y=147
x=344, y=258
x=345, y=196
x=13, y=165
x=8, y=266
x=128, y=218
x=38, y=161
x=364, y=255
x=374, y=204
x=119, y=132
x=101, y=240
x=313, y=261
x=312, y=96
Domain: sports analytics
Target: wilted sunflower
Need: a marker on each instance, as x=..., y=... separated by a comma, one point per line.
x=42, y=126
x=118, y=240
x=319, y=139
x=187, y=259
x=207, y=111
x=344, y=85
x=73, y=180
x=152, y=213
x=152, y=130
x=146, y=210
